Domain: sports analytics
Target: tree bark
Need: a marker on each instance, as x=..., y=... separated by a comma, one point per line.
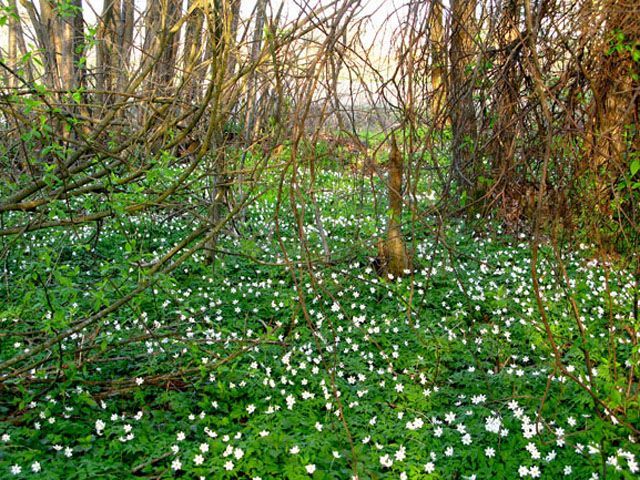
x=223, y=34
x=192, y=56
x=108, y=50
x=507, y=87
x=612, y=138
x=252, y=104
x=463, y=114
x=16, y=35
x=396, y=252
x=438, y=60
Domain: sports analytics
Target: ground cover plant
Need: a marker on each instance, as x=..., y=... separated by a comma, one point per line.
x=221, y=372
x=331, y=240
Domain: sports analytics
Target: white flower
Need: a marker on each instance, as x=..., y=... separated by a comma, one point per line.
x=294, y=450
x=310, y=468
x=401, y=454
x=176, y=464
x=204, y=447
x=466, y=439
x=429, y=467
x=238, y=453
x=6, y=437
x=567, y=470
x=533, y=450
x=229, y=465
x=386, y=461
x=493, y=424
x=139, y=381
x=35, y=467
x=16, y=469
x=227, y=451
x=450, y=417
x=490, y=452
x=180, y=436
x=448, y=452
x=534, y=471
x=198, y=459
x=251, y=408
x=100, y=426
x=417, y=424
x=523, y=471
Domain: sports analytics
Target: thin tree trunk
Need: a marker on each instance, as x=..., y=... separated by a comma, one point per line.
x=108, y=50
x=12, y=50
x=46, y=36
x=438, y=59
x=192, y=56
x=17, y=36
x=463, y=115
x=78, y=66
x=507, y=88
x=396, y=252
x=164, y=70
x=65, y=52
x=224, y=30
x=252, y=93
x=125, y=34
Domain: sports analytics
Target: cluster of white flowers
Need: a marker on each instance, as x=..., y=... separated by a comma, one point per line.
x=384, y=359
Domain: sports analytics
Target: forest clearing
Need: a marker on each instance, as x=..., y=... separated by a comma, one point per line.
x=327, y=239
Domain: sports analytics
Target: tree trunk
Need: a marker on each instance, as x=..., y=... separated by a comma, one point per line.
x=78, y=45
x=108, y=50
x=16, y=35
x=223, y=32
x=463, y=115
x=12, y=51
x=612, y=137
x=507, y=87
x=252, y=92
x=125, y=34
x=65, y=52
x=164, y=71
x=192, y=56
x=438, y=59
x=396, y=253
x=47, y=39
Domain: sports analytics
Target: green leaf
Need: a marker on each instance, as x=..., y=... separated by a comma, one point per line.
x=634, y=167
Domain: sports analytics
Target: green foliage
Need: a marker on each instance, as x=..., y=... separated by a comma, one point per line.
x=450, y=389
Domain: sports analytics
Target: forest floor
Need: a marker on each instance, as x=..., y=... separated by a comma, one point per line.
x=220, y=374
